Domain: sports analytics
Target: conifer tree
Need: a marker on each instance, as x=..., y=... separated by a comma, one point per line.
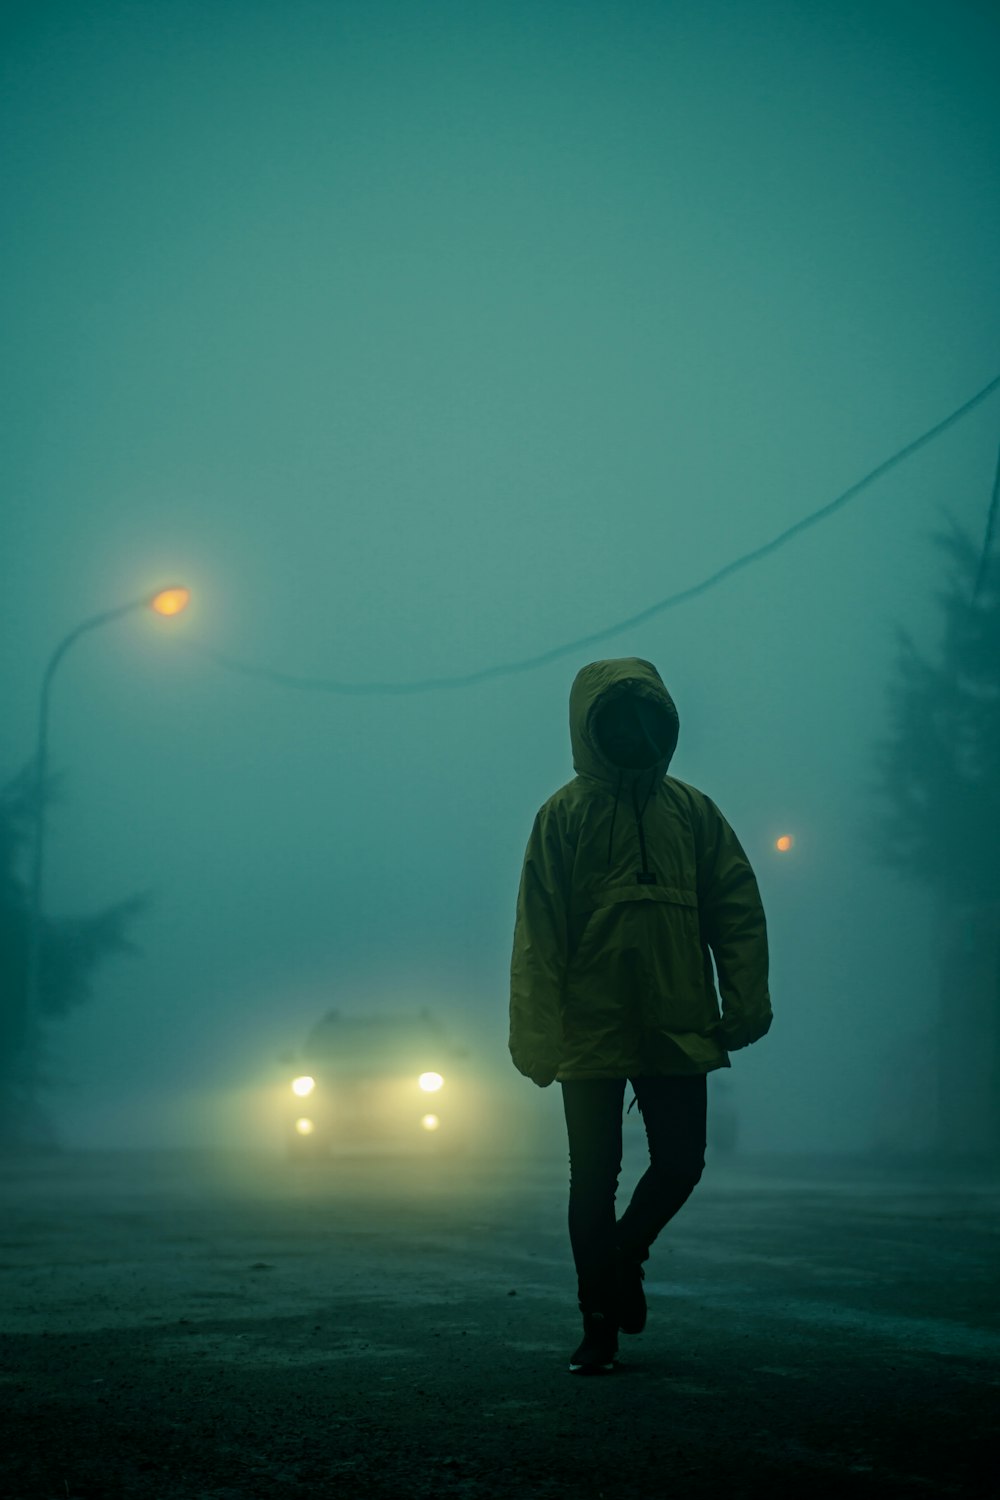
x=938, y=826
x=939, y=770
x=72, y=951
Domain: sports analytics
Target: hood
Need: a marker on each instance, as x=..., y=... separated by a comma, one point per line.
x=593, y=686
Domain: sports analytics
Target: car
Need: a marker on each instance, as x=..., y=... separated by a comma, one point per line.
x=380, y=1083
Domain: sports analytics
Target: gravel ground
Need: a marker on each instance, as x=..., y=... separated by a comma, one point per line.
x=179, y=1326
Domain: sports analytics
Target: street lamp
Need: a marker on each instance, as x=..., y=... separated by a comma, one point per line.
x=170, y=601
x=167, y=601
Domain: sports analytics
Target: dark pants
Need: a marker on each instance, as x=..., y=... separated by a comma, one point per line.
x=674, y=1111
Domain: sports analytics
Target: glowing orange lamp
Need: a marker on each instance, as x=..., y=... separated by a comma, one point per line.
x=171, y=601
x=784, y=843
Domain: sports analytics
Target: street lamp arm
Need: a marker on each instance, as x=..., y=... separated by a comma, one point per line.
x=41, y=743
x=104, y=618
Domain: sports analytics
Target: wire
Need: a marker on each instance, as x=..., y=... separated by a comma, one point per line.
x=530, y=663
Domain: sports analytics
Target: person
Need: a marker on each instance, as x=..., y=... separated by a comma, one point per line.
x=632, y=883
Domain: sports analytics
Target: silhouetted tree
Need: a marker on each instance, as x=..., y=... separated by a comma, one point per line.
x=938, y=824
x=72, y=950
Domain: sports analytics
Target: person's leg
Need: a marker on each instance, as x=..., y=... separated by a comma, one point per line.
x=674, y=1112
x=593, y=1108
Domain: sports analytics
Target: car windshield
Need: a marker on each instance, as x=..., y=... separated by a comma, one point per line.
x=381, y=1044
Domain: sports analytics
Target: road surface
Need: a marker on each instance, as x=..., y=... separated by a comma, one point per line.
x=176, y=1326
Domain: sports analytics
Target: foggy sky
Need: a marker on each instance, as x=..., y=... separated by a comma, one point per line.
x=415, y=338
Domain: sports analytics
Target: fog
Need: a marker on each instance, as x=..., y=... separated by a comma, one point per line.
x=415, y=339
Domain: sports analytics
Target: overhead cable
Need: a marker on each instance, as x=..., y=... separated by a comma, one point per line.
x=530, y=663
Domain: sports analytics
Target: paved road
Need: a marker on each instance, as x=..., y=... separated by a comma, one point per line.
x=175, y=1327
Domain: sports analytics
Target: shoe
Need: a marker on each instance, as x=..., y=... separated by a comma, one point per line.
x=631, y=1299
x=599, y=1349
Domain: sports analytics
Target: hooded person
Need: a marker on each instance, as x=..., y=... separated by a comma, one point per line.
x=633, y=883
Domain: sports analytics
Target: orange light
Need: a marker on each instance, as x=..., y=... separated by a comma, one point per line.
x=170, y=601
x=784, y=843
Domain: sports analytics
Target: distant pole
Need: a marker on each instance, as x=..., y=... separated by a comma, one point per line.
x=164, y=601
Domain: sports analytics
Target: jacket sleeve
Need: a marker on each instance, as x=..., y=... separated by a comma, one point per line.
x=538, y=962
x=733, y=924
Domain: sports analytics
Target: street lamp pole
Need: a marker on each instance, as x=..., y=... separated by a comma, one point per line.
x=166, y=602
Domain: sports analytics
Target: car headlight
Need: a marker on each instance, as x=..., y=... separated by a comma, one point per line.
x=430, y=1082
x=303, y=1086
x=430, y=1122
x=304, y=1126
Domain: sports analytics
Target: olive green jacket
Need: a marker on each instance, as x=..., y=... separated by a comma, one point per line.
x=632, y=883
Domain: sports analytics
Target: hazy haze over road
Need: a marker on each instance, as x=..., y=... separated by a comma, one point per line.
x=417, y=338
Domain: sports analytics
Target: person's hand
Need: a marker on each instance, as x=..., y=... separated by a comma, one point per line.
x=543, y=1079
